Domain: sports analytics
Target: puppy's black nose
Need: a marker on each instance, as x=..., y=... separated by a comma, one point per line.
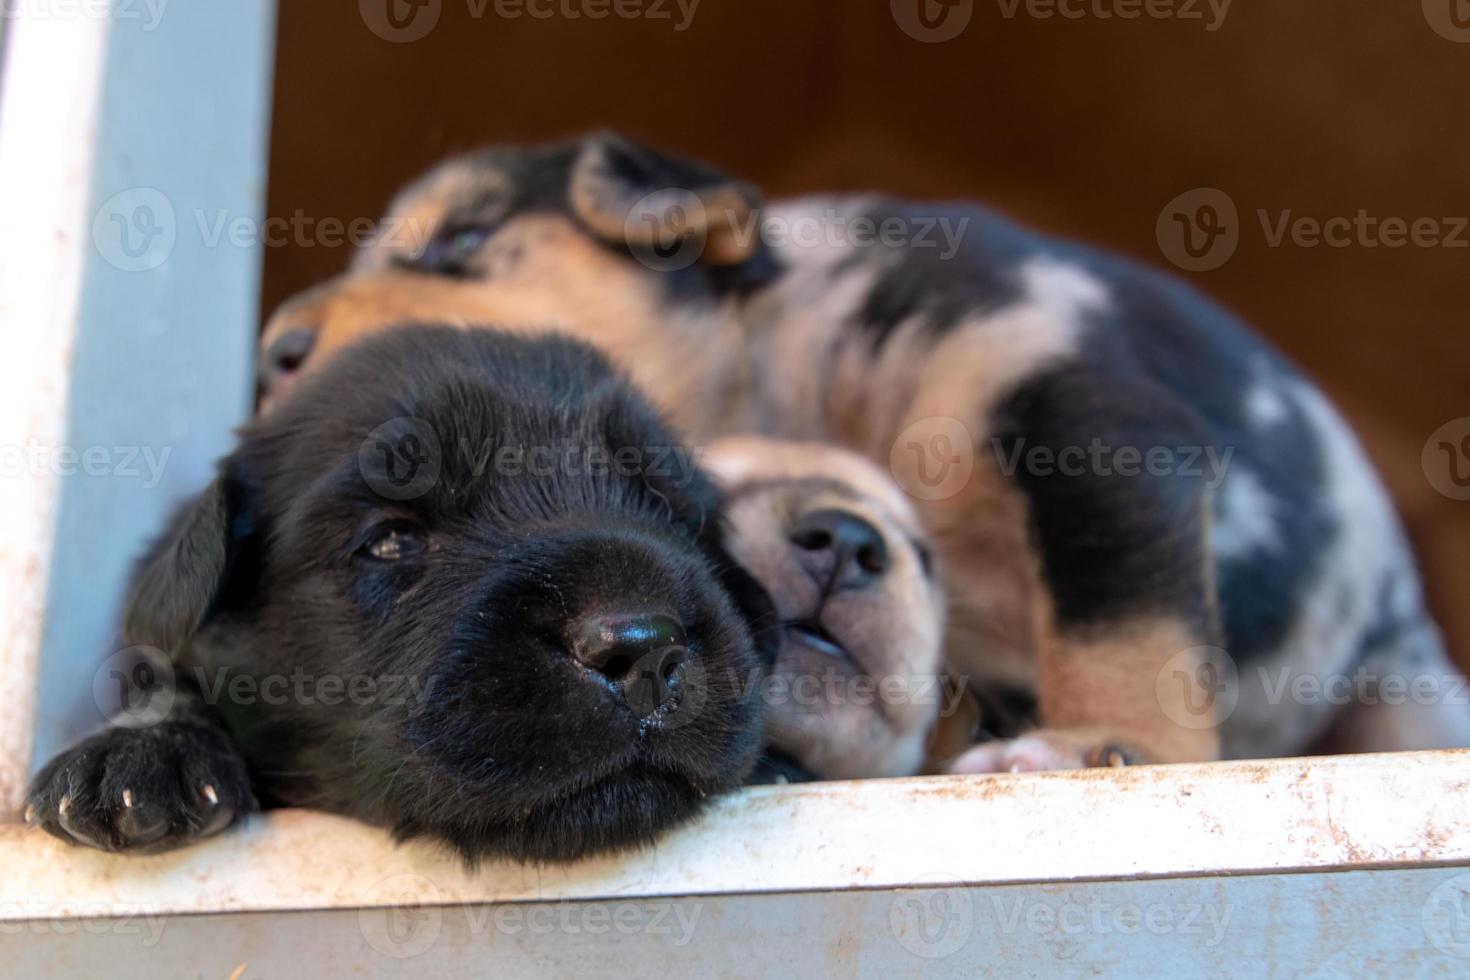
x=284, y=357
x=641, y=656
x=839, y=549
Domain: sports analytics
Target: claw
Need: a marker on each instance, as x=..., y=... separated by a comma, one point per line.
x=209, y=794
x=76, y=832
x=30, y=815
x=128, y=798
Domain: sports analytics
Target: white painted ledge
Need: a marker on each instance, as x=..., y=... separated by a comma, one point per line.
x=1238, y=818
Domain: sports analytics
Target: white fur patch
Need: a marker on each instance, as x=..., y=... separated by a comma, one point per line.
x=1014, y=343
x=1066, y=291
x=1338, y=609
x=1265, y=405
x=1246, y=517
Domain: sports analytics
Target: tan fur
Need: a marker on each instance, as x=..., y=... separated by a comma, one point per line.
x=542, y=274
x=788, y=364
x=718, y=216
x=1112, y=684
x=892, y=628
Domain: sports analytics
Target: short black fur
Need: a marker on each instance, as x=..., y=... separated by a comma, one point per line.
x=449, y=606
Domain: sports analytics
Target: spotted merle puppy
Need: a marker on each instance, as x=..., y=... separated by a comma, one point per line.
x=464, y=586
x=1145, y=514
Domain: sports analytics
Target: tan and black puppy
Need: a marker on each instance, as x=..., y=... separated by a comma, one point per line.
x=858, y=684
x=1145, y=514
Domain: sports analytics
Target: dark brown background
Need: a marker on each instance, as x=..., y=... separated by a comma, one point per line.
x=1087, y=127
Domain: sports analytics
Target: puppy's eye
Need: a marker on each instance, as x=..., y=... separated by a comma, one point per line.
x=451, y=248
x=395, y=543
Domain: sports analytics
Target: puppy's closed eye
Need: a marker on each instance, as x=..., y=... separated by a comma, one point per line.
x=452, y=247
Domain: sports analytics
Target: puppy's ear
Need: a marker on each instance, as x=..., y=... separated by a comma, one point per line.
x=633, y=196
x=181, y=578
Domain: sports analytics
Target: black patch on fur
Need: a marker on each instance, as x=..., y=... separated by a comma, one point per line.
x=1159, y=331
x=1112, y=546
x=923, y=280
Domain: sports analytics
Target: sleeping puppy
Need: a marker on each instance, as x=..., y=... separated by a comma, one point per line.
x=464, y=585
x=839, y=548
x=1145, y=514
x=859, y=688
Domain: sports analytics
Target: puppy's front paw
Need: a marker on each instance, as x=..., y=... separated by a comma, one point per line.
x=144, y=790
x=1044, y=750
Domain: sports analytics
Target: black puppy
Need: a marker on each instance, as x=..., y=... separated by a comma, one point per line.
x=466, y=585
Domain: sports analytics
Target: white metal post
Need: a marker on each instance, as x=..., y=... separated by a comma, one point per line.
x=127, y=136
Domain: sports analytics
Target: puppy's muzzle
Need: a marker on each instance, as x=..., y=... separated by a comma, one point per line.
x=641, y=658
x=839, y=550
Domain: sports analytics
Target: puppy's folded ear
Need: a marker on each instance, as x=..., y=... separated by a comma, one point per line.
x=636, y=197
x=182, y=577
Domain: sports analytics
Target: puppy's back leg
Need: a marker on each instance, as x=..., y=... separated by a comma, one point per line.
x=1126, y=674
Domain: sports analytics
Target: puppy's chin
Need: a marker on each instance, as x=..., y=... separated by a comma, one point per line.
x=623, y=810
x=837, y=721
